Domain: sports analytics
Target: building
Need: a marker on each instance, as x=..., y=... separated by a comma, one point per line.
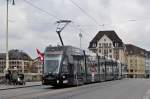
x=147, y=64
x=37, y=69
x=37, y=66
x=18, y=59
x=135, y=57
x=108, y=44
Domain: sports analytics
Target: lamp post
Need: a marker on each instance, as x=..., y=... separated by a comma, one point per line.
x=80, y=35
x=105, y=68
x=98, y=63
x=112, y=68
x=7, y=49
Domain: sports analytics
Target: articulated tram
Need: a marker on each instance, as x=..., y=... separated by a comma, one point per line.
x=67, y=65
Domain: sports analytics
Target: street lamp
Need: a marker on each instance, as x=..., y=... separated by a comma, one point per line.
x=80, y=35
x=98, y=65
x=7, y=49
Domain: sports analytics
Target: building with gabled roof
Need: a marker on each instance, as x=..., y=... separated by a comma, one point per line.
x=110, y=34
x=108, y=44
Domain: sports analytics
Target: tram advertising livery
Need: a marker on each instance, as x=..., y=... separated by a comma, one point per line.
x=67, y=65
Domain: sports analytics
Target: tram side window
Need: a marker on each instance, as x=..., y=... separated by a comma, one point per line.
x=102, y=67
x=65, y=66
x=76, y=66
x=89, y=64
x=79, y=66
x=82, y=66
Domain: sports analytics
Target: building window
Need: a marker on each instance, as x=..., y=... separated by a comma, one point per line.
x=105, y=51
x=106, y=44
x=109, y=44
x=103, y=45
x=116, y=44
x=99, y=44
x=110, y=50
x=117, y=57
x=94, y=44
x=99, y=50
x=110, y=56
x=131, y=70
x=130, y=61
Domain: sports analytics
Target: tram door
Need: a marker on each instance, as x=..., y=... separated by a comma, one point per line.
x=102, y=70
x=79, y=69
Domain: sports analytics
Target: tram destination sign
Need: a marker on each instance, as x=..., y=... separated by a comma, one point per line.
x=54, y=52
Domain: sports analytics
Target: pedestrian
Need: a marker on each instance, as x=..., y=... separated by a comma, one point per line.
x=9, y=77
x=15, y=77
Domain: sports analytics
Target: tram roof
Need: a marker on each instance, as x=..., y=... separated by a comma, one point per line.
x=62, y=48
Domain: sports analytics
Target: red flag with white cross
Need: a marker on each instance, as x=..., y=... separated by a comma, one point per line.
x=40, y=55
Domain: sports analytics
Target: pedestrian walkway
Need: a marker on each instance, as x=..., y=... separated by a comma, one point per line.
x=28, y=84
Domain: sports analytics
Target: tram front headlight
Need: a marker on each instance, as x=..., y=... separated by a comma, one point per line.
x=63, y=76
x=57, y=81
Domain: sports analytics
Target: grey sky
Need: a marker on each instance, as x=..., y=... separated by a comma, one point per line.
x=30, y=28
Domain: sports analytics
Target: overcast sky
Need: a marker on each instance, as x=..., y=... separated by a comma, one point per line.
x=31, y=28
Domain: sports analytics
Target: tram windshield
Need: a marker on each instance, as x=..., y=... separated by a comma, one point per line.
x=52, y=63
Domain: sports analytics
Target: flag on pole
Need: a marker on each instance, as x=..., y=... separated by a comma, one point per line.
x=40, y=55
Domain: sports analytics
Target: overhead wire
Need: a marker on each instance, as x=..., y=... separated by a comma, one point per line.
x=86, y=13
x=31, y=4
x=56, y=17
x=40, y=9
x=48, y=13
x=76, y=26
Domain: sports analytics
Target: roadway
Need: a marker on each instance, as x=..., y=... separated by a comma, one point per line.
x=119, y=89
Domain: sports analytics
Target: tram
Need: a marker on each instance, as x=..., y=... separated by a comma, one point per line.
x=67, y=65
